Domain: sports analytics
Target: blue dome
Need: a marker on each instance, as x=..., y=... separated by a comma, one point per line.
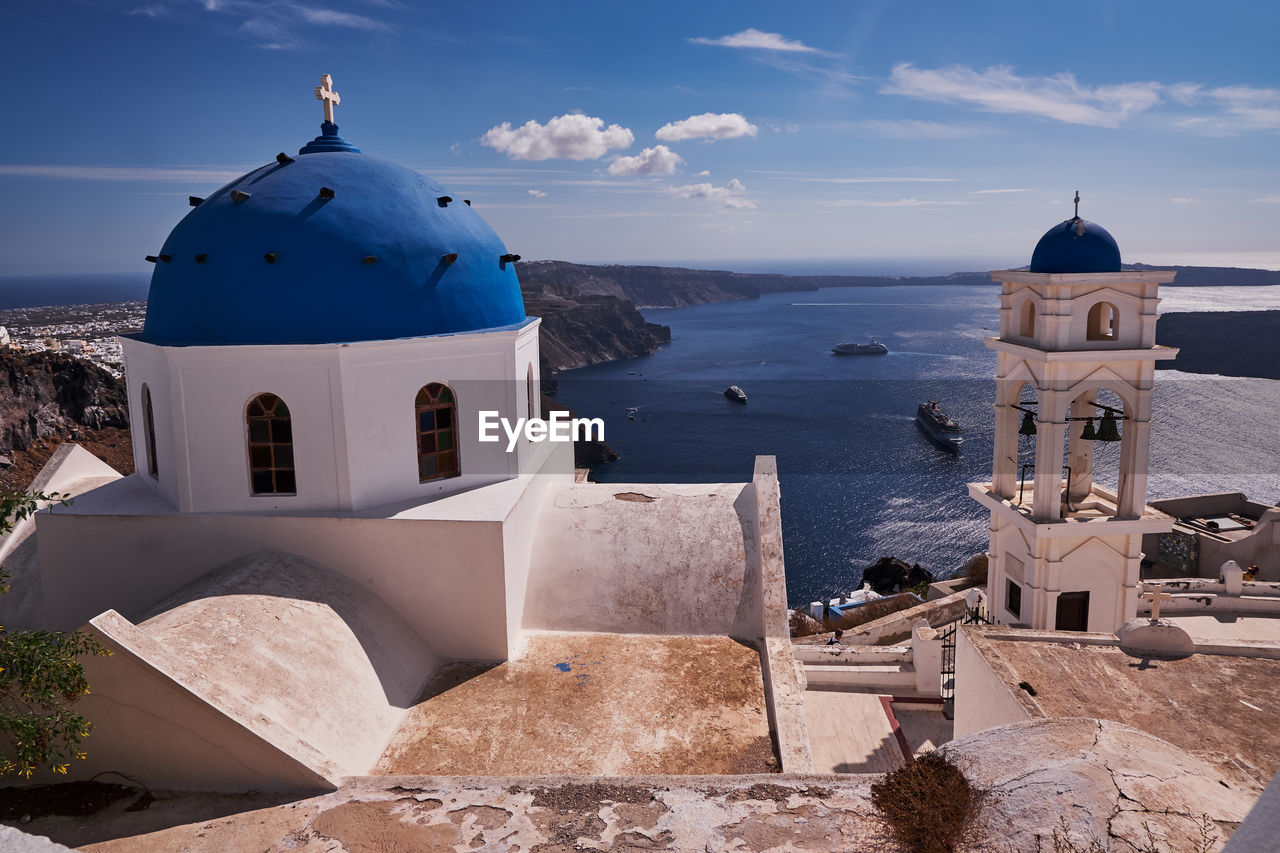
x=1076, y=246
x=329, y=247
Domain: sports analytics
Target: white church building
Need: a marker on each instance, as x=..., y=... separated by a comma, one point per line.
x=315, y=526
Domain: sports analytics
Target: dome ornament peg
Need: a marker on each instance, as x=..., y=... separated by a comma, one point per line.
x=324, y=92
x=239, y=195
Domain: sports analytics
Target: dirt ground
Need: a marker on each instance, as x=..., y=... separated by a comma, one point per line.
x=595, y=704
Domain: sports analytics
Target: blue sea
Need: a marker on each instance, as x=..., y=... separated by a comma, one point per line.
x=859, y=481
x=32, y=291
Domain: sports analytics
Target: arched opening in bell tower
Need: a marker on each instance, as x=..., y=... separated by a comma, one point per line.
x=1095, y=441
x=1103, y=322
x=1027, y=325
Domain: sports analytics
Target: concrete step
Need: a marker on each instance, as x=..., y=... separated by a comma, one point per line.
x=851, y=655
x=888, y=677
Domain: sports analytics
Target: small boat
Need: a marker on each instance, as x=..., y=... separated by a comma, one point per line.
x=872, y=348
x=939, y=426
x=733, y=392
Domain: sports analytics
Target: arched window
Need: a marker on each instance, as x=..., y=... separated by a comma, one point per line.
x=1028, y=327
x=149, y=431
x=436, y=417
x=1102, y=322
x=532, y=394
x=270, y=446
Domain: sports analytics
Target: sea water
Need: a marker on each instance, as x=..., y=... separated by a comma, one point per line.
x=859, y=481
x=31, y=291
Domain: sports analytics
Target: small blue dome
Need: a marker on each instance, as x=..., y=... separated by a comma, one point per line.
x=1076, y=246
x=329, y=247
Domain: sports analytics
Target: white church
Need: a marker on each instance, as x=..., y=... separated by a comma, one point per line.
x=315, y=526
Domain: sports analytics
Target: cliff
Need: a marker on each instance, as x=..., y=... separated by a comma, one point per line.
x=589, y=329
x=45, y=395
x=675, y=287
x=46, y=399
x=1215, y=276
x=1228, y=343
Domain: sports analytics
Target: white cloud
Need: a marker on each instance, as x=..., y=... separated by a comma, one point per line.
x=117, y=173
x=707, y=126
x=1243, y=108
x=658, y=160
x=998, y=89
x=902, y=202
x=916, y=129
x=537, y=193
x=1183, y=200
x=571, y=136
x=727, y=196
x=756, y=40
x=880, y=180
x=330, y=18
x=155, y=10
x=705, y=173
x=1266, y=199
x=997, y=192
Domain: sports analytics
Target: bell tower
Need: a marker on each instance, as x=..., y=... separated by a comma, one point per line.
x=1065, y=551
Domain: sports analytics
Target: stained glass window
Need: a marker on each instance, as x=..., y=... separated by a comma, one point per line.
x=270, y=446
x=436, y=421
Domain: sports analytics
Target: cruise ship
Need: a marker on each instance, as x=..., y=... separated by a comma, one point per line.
x=873, y=348
x=938, y=425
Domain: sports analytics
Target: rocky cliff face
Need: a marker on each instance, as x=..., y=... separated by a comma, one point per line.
x=590, y=329
x=45, y=396
x=1230, y=343
x=675, y=287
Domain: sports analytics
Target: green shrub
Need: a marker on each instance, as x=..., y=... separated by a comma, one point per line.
x=40, y=676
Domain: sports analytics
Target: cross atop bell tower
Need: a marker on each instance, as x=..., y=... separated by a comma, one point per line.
x=1074, y=372
x=324, y=92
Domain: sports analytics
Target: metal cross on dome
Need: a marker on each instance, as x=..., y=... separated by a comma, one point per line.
x=1077, y=201
x=324, y=92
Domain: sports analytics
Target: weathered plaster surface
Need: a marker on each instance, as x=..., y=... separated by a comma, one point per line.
x=1107, y=781
x=546, y=815
x=640, y=558
x=1216, y=706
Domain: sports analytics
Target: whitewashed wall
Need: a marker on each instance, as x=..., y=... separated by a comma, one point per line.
x=352, y=415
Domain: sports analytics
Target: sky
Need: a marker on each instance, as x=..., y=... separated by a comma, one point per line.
x=854, y=136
